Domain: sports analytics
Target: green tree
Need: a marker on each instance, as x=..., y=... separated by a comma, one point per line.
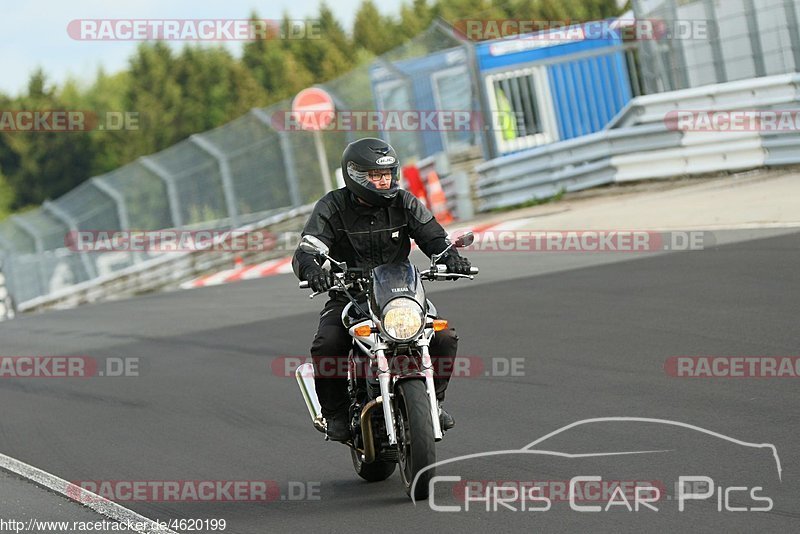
x=6, y=197
x=274, y=66
x=198, y=88
x=457, y=10
x=337, y=57
x=42, y=165
x=153, y=92
x=373, y=31
x=331, y=32
x=106, y=95
x=215, y=88
x=415, y=18
x=325, y=54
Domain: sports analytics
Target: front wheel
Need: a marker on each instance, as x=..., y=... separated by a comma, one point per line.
x=415, y=439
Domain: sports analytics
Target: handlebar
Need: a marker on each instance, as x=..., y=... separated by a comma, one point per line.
x=440, y=274
x=303, y=284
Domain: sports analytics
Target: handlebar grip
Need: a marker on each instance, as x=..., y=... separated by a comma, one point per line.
x=303, y=284
x=474, y=270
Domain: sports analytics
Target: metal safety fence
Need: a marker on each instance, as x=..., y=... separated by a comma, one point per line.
x=245, y=172
x=645, y=145
x=719, y=41
x=582, y=117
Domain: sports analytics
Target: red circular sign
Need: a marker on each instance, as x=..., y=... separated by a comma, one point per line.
x=313, y=109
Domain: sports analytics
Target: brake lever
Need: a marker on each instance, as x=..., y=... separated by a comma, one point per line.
x=340, y=286
x=453, y=276
x=427, y=275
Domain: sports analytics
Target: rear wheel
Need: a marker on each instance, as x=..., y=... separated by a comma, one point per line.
x=415, y=439
x=374, y=472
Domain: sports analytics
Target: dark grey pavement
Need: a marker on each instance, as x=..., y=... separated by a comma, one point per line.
x=208, y=404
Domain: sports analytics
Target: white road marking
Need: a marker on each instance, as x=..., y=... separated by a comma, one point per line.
x=86, y=498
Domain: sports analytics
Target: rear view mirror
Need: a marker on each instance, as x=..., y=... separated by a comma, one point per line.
x=465, y=240
x=313, y=245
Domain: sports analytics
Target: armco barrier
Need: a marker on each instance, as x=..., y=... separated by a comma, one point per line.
x=7, y=307
x=647, y=149
x=756, y=93
x=781, y=149
x=571, y=165
x=696, y=153
x=165, y=270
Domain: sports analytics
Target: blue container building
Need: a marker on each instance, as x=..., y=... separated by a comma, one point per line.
x=530, y=89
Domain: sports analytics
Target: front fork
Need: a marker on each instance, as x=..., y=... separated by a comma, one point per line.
x=430, y=388
x=384, y=379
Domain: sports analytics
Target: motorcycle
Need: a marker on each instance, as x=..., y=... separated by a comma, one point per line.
x=394, y=414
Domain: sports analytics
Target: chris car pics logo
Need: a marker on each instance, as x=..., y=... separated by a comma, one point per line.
x=589, y=493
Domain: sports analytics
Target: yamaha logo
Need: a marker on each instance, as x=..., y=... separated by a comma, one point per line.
x=385, y=160
x=399, y=289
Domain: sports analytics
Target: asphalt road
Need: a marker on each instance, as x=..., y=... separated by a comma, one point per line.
x=593, y=332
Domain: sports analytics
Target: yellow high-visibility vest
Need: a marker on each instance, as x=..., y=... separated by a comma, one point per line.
x=508, y=122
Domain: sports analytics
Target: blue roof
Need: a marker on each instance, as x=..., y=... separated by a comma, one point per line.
x=551, y=43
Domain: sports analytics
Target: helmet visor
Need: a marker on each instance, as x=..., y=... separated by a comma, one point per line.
x=374, y=179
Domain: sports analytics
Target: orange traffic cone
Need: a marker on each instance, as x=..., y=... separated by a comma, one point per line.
x=438, y=200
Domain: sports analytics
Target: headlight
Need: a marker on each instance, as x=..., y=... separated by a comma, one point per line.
x=402, y=319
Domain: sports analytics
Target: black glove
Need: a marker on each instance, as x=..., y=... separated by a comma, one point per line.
x=319, y=279
x=457, y=264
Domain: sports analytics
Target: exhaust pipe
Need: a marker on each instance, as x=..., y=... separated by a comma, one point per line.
x=305, y=380
x=366, y=429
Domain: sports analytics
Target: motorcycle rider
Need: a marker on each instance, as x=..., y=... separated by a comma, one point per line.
x=367, y=223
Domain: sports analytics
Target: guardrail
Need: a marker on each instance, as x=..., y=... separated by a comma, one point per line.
x=781, y=149
x=647, y=148
x=7, y=307
x=165, y=270
x=568, y=166
x=756, y=93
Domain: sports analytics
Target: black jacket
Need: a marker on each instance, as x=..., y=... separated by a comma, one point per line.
x=366, y=236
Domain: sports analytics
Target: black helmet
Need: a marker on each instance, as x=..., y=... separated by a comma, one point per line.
x=365, y=155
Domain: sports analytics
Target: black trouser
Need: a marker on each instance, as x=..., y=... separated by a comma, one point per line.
x=334, y=342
